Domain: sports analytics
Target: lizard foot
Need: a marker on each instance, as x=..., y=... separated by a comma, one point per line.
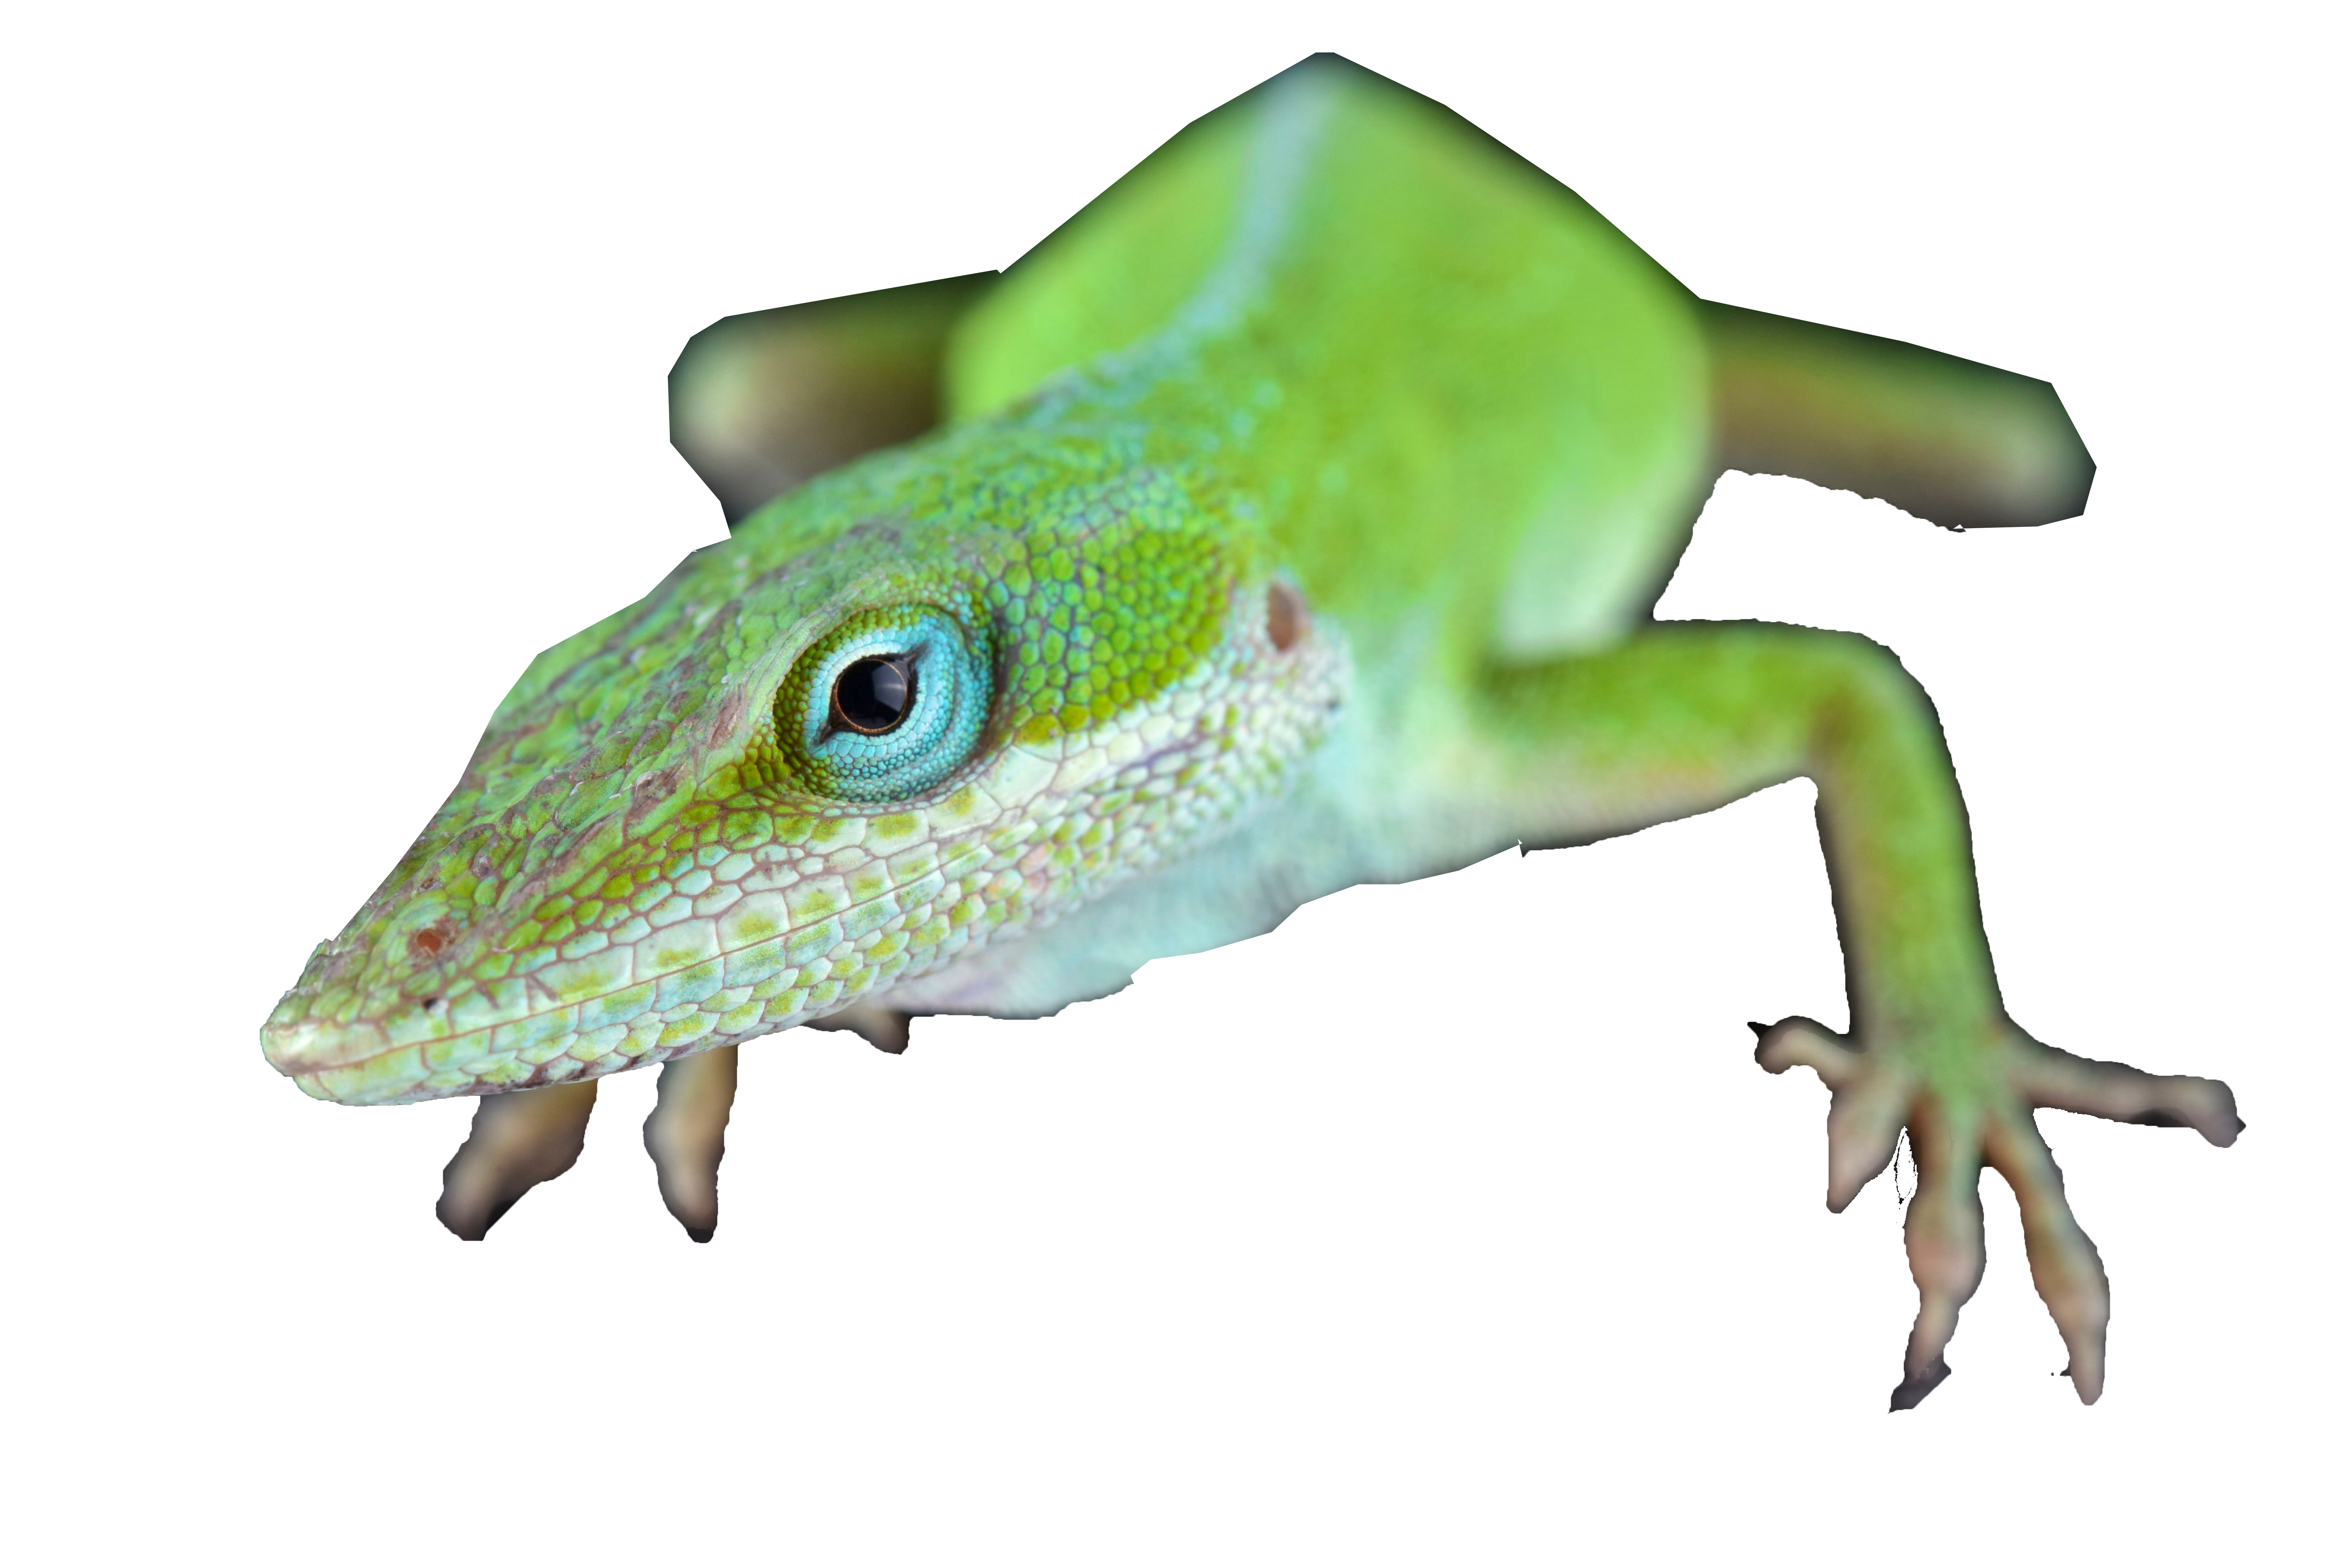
x=1969, y=1097
x=687, y=1136
x=519, y=1140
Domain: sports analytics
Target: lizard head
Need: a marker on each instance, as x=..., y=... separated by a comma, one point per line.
x=945, y=694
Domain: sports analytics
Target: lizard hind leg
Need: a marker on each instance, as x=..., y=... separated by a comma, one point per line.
x=762, y=403
x=687, y=1136
x=519, y=1140
x=1960, y=444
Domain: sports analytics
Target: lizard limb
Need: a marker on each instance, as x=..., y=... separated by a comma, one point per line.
x=1932, y=1048
x=518, y=1141
x=1960, y=444
x=762, y=403
x=687, y=1136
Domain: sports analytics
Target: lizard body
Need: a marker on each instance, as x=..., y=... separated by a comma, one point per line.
x=1294, y=522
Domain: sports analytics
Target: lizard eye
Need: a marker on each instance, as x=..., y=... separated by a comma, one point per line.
x=887, y=705
x=873, y=695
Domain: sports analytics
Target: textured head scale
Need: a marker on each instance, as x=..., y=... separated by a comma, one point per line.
x=668, y=839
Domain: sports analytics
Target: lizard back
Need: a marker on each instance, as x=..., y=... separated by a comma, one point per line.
x=1447, y=382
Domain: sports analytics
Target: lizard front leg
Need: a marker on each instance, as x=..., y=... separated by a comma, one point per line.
x=687, y=1136
x=687, y=1133
x=517, y=1139
x=1682, y=719
x=528, y=1136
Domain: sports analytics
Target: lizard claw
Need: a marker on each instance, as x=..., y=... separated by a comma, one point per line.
x=1912, y=1390
x=1969, y=1097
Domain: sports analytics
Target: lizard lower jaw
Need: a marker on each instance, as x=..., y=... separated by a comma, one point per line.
x=353, y=1063
x=309, y=1045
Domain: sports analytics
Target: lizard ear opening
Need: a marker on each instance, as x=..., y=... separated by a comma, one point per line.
x=1286, y=615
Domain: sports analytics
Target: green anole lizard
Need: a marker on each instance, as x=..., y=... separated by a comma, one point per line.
x=1288, y=519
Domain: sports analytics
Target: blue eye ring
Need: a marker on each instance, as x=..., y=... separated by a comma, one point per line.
x=886, y=706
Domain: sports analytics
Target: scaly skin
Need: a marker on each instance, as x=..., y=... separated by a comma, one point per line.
x=632, y=866
x=1294, y=524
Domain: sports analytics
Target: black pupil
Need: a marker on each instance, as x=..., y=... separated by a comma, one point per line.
x=873, y=695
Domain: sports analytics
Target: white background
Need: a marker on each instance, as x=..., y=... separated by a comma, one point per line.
x=335, y=358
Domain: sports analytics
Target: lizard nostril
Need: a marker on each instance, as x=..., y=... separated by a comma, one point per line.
x=1286, y=615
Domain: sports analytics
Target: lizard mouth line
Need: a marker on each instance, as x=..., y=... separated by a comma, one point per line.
x=299, y=1061
x=597, y=1003
x=307, y=1063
